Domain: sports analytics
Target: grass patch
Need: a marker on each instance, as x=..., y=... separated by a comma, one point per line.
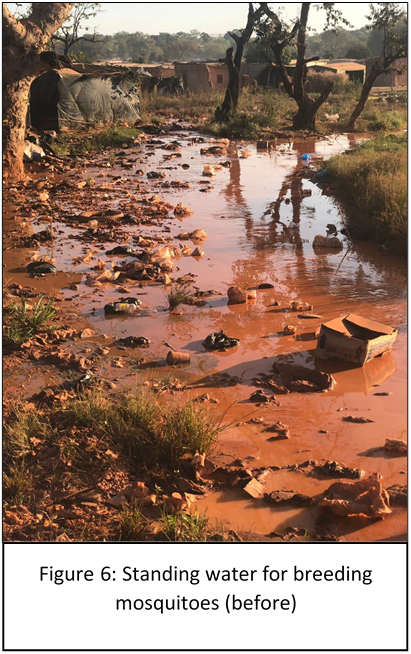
x=177, y=296
x=133, y=524
x=24, y=322
x=372, y=186
x=147, y=431
x=193, y=527
x=17, y=485
x=83, y=142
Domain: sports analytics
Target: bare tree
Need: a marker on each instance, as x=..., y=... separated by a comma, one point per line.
x=391, y=19
x=233, y=62
x=280, y=36
x=24, y=59
x=68, y=34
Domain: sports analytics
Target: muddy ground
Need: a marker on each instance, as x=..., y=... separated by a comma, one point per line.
x=261, y=212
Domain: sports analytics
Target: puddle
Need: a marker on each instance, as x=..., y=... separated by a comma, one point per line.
x=261, y=218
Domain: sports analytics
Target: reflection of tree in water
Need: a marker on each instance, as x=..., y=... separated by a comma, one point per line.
x=271, y=230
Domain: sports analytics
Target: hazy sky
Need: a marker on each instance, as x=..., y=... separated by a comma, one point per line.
x=211, y=17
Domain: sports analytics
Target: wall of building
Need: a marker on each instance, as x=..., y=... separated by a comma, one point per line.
x=391, y=79
x=196, y=76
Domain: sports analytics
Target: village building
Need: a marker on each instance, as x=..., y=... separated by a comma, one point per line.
x=396, y=78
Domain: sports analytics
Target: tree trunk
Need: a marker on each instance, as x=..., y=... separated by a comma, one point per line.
x=365, y=92
x=23, y=60
x=306, y=114
x=230, y=102
x=15, y=106
x=308, y=107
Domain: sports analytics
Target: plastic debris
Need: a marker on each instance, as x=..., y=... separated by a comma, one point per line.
x=220, y=341
x=128, y=305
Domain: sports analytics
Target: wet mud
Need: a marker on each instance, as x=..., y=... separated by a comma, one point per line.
x=261, y=214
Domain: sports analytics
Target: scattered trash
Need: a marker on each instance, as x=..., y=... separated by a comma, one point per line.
x=305, y=157
x=365, y=498
x=289, y=330
x=327, y=242
x=128, y=305
x=123, y=249
x=297, y=305
x=41, y=267
x=220, y=341
x=255, y=489
x=264, y=286
x=32, y=152
x=133, y=341
x=154, y=174
x=353, y=338
x=174, y=358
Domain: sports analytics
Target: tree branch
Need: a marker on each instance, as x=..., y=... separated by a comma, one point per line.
x=14, y=32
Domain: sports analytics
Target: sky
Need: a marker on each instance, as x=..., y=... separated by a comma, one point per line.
x=211, y=17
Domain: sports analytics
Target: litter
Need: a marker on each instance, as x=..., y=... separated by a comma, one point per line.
x=174, y=358
x=41, y=267
x=220, y=341
x=128, y=305
x=353, y=338
x=305, y=157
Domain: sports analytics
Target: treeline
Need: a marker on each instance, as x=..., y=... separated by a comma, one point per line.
x=199, y=46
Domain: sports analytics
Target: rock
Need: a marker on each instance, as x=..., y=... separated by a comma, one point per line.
x=395, y=446
x=277, y=389
x=259, y=396
x=154, y=174
x=303, y=386
x=398, y=495
x=281, y=430
x=327, y=242
x=264, y=286
x=357, y=420
x=254, y=489
x=309, y=316
x=288, y=497
x=198, y=252
x=182, y=210
x=334, y=469
x=220, y=341
x=198, y=235
x=297, y=305
x=289, y=372
x=236, y=295
x=366, y=498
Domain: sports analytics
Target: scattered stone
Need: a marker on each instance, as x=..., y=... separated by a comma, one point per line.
x=198, y=252
x=365, y=498
x=259, y=396
x=281, y=430
x=289, y=330
x=327, y=242
x=395, y=446
x=288, y=497
x=334, y=469
x=398, y=495
x=358, y=420
x=122, y=249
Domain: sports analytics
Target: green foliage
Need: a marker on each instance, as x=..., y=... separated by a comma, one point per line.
x=132, y=523
x=178, y=295
x=75, y=144
x=372, y=186
x=193, y=527
x=17, y=482
x=24, y=323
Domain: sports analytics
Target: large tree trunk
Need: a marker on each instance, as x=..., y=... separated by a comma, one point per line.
x=365, y=92
x=15, y=105
x=305, y=116
x=232, y=94
x=23, y=60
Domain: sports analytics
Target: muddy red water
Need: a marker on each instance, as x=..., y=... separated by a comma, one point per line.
x=261, y=217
